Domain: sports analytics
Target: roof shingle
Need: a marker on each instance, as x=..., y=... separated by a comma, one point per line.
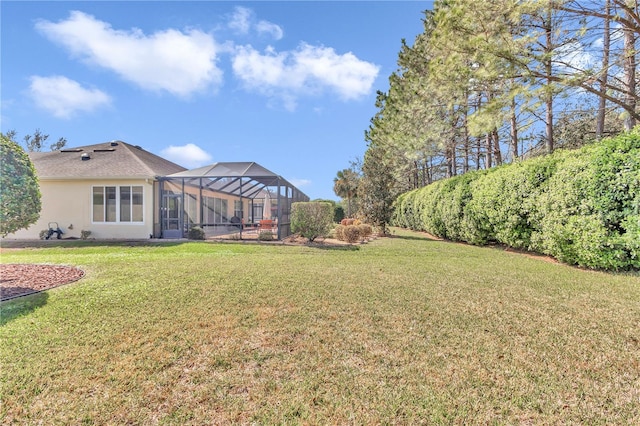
x=115, y=159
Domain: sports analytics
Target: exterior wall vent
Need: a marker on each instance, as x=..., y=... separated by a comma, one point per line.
x=85, y=157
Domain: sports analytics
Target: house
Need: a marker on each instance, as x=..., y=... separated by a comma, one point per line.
x=120, y=191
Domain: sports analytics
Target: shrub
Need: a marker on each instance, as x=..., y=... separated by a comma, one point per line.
x=265, y=236
x=582, y=207
x=365, y=230
x=338, y=214
x=196, y=233
x=351, y=234
x=591, y=213
x=84, y=234
x=311, y=219
x=339, y=232
x=19, y=189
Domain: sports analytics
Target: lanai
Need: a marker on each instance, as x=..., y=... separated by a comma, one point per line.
x=226, y=199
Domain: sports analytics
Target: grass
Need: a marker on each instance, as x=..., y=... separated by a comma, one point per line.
x=403, y=330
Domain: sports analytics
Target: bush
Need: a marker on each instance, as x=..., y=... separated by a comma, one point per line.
x=590, y=215
x=351, y=234
x=311, y=219
x=338, y=214
x=84, y=234
x=265, y=236
x=582, y=207
x=196, y=233
x=365, y=230
x=20, y=199
x=339, y=232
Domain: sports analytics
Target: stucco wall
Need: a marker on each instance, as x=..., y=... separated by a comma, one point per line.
x=69, y=204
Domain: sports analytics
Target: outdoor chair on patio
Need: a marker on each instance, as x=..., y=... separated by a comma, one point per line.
x=266, y=225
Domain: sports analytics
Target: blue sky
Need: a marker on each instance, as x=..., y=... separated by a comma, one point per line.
x=290, y=85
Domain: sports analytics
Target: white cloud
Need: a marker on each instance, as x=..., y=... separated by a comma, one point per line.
x=240, y=20
x=243, y=20
x=299, y=183
x=64, y=97
x=180, y=63
x=307, y=70
x=189, y=155
x=269, y=28
x=576, y=56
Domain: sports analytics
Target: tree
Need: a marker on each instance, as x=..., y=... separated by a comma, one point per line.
x=345, y=185
x=20, y=203
x=311, y=219
x=378, y=186
x=35, y=142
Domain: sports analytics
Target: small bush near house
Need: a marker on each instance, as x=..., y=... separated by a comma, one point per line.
x=265, y=236
x=84, y=234
x=196, y=233
x=311, y=219
x=19, y=189
x=339, y=232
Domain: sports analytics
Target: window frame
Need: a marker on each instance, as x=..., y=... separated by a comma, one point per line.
x=132, y=193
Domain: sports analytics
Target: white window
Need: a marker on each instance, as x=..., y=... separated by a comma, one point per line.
x=215, y=210
x=117, y=204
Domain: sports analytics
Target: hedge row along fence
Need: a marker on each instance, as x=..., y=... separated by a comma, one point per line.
x=581, y=207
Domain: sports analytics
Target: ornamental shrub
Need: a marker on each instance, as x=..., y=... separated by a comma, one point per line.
x=365, y=230
x=311, y=219
x=582, y=207
x=19, y=189
x=590, y=214
x=266, y=236
x=339, y=232
x=338, y=213
x=196, y=233
x=351, y=234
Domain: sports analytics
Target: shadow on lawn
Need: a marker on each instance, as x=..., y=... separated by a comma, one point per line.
x=414, y=237
x=75, y=243
x=338, y=247
x=23, y=305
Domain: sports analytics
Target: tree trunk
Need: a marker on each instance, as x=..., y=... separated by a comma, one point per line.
x=465, y=164
x=497, y=155
x=606, y=44
x=489, y=151
x=549, y=75
x=630, y=74
x=514, y=131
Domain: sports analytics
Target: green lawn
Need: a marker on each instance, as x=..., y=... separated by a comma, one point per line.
x=402, y=330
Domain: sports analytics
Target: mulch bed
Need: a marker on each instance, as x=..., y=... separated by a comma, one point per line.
x=22, y=279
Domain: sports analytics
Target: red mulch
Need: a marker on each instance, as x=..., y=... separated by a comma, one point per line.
x=21, y=279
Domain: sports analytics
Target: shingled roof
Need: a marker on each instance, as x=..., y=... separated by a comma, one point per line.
x=112, y=160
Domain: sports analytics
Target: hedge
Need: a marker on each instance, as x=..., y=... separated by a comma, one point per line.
x=581, y=207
